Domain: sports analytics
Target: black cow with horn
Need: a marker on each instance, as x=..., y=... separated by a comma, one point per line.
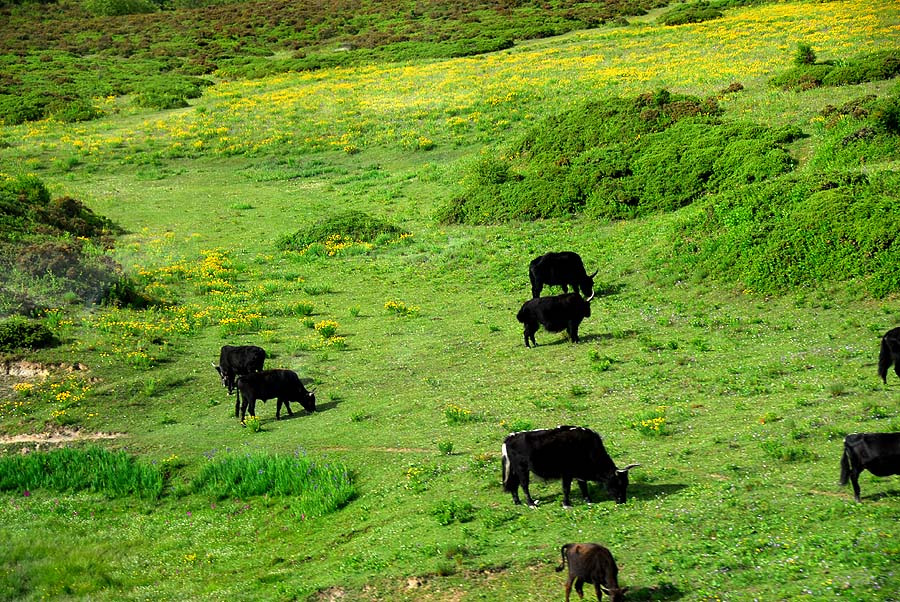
x=565, y=452
x=563, y=269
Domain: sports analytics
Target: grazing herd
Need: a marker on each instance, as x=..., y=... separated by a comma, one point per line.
x=563, y=453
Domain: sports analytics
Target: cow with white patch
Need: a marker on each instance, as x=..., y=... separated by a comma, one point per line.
x=565, y=452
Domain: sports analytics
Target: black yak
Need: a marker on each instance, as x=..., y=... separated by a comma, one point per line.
x=282, y=384
x=564, y=452
x=890, y=353
x=560, y=269
x=235, y=361
x=555, y=314
x=879, y=453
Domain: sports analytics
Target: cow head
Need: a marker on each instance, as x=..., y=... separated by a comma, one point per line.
x=587, y=286
x=617, y=484
x=308, y=401
x=223, y=376
x=616, y=594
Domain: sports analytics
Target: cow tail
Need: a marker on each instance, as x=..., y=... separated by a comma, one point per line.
x=504, y=464
x=885, y=359
x=563, y=552
x=845, y=464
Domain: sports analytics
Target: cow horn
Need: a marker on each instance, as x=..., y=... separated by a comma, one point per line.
x=590, y=298
x=214, y=365
x=594, y=274
x=627, y=468
x=604, y=589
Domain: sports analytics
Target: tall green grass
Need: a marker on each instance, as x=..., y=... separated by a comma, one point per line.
x=114, y=474
x=314, y=487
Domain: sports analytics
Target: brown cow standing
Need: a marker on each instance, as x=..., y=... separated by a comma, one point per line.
x=591, y=563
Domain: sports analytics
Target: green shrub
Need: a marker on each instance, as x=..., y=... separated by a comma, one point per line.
x=114, y=8
x=20, y=333
x=619, y=159
x=804, y=55
x=793, y=232
x=692, y=12
x=873, y=66
x=351, y=225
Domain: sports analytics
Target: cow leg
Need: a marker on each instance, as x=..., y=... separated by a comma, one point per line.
x=573, y=331
x=237, y=402
x=528, y=498
x=567, y=489
x=530, y=329
x=582, y=484
x=569, y=586
x=599, y=593
x=854, y=480
x=897, y=365
x=579, y=587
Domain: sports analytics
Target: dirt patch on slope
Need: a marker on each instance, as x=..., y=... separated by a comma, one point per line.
x=60, y=437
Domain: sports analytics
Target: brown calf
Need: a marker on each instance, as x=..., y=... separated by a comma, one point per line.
x=591, y=563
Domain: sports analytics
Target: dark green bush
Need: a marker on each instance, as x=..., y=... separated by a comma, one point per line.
x=873, y=66
x=778, y=235
x=619, y=159
x=18, y=333
x=804, y=55
x=115, y=8
x=693, y=12
x=76, y=110
x=352, y=225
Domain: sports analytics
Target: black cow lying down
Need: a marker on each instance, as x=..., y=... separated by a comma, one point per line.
x=555, y=314
x=889, y=354
x=235, y=361
x=879, y=453
x=594, y=564
x=565, y=452
x=282, y=384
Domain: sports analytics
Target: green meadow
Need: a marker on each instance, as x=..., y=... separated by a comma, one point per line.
x=369, y=221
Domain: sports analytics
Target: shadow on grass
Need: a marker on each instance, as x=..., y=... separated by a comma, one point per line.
x=662, y=592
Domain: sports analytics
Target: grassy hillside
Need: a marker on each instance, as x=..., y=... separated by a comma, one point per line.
x=303, y=212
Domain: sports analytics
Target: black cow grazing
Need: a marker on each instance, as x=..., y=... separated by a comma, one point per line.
x=890, y=353
x=591, y=563
x=235, y=361
x=555, y=314
x=282, y=384
x=565, y=452
x=879, y=453
x=560, y=269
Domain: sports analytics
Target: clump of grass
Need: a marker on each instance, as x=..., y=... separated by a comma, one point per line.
x=355, y=226
x=326, y=328
x=317, y=488
x=445, y=447
x=401, y=309
x=456, y=414
x=253, y=424
x=517, y=425
x=651, y=423
x=114, y=474
x=786, y=453
x=450, y=511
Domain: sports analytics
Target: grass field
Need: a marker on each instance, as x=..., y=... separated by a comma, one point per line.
x=734, y=404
